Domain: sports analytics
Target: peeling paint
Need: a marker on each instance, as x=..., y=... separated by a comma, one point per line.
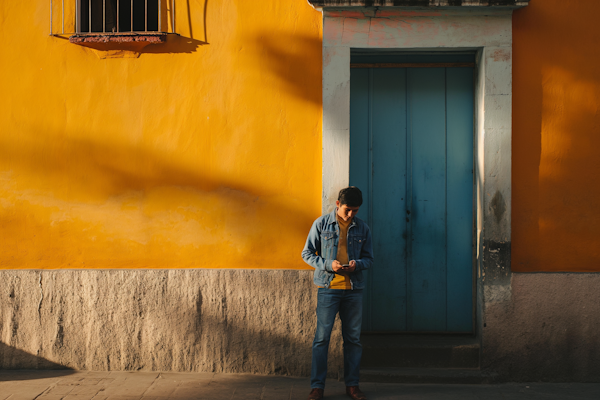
x=118, y=38
x=404, y=13
x=501, y=55
x=498, y=207
x=496, y=262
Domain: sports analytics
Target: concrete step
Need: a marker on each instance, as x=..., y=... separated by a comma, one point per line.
x=419, y=351
x=427, y=375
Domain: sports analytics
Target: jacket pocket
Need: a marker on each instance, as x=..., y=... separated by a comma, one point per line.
x=356, y=241
x=321, y=277
x=328, y=239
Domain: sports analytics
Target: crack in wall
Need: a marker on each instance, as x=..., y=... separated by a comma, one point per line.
x=41, y=298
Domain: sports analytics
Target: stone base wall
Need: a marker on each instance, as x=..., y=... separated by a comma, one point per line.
x=548, y=329
x=255, y=321
x=263, y=321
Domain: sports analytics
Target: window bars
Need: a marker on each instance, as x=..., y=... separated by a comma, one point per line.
x=119, y=16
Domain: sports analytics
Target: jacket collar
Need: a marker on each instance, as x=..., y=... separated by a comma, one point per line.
x=333, y=218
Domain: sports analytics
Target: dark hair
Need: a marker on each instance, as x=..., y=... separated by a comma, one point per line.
x=350, y=196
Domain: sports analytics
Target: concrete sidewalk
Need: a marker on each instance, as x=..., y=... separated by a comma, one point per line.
x=74, y=385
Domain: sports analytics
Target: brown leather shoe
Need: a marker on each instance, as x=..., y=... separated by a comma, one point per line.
x=355, y=393
x=315, y=394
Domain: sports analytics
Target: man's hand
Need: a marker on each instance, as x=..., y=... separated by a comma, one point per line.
x=337, y=267
x=352, y=267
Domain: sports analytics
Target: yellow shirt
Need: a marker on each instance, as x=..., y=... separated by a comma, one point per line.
x=342, y=281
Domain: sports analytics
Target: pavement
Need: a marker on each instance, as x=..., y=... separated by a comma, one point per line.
x=87, y=385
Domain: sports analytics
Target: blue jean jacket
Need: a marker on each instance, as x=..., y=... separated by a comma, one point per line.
x=322, y=244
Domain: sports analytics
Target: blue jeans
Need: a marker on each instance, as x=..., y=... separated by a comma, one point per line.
x=349, y=304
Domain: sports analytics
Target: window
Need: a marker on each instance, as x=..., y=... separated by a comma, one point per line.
x=116, y=16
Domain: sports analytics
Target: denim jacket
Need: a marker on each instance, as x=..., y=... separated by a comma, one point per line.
x=322, y=245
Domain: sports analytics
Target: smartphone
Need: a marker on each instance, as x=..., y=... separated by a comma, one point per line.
x=346, y=265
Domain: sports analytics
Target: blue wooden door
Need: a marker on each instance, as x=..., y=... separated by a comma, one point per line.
x=411, y=153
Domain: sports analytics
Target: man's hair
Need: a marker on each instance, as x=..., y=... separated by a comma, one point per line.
x=350, y=196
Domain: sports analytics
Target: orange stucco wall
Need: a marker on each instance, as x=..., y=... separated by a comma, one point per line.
x=556, y=136
x=201, y=152
x=197, y=152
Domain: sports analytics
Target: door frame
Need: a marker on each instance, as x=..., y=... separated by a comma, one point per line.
x=488, y=31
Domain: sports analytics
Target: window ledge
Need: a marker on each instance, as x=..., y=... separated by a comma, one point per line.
x=118, y=41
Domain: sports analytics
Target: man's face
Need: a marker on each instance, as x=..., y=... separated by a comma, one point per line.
x=345, y=212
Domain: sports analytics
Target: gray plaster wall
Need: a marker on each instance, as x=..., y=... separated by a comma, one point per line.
x=546, y=329
x=256, y=321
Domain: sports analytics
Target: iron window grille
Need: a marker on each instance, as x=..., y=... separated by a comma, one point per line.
x=111, y=16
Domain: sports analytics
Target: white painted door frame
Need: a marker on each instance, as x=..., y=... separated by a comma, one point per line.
x=488, y=31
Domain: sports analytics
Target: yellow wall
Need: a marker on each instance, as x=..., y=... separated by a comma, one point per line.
x=202, y=152
x=556, y=136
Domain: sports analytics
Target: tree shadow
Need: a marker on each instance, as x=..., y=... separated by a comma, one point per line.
x=14, y=359
x=293, y=59
x=118, y=175
x=199, y=320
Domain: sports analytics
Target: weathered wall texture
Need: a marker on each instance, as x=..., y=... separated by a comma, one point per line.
x=205, y=152
x=161, y=320
x=556, y=134
x=545, y=326
x=195, y=154
x=548, y=331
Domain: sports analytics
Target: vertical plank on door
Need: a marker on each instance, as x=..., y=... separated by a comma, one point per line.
x=427, y=270
x=411, y=148
x=388, y=199
x=459, y=100
x=360, y=168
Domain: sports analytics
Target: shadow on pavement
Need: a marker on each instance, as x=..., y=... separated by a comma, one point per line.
x=12, y=356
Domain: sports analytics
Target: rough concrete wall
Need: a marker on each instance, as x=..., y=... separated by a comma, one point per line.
x=549, y=330
x=161, y=320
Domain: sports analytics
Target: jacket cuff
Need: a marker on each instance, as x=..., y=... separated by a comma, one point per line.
x=328, y=265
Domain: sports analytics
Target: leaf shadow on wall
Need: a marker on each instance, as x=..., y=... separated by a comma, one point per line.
x=554, y=141
x=294, y=60
x=12, y=357
x=87, y=180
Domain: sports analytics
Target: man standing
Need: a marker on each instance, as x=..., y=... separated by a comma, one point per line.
x=339, y=248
